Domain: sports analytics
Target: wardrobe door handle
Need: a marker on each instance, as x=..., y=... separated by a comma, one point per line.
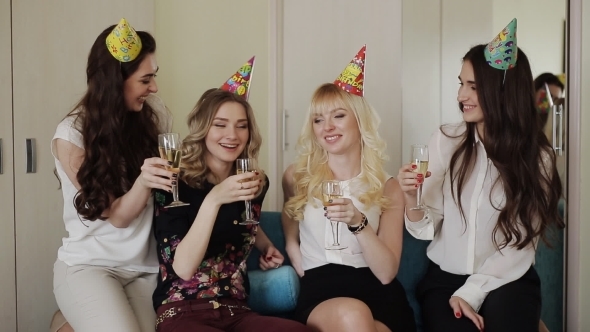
x=554, y=127
x=560, y=133
x=285, y=143
x=557, y=131
x=31, y=155
x=1, y=159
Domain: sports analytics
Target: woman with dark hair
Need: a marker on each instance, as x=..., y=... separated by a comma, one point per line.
x=104, y=153
x=555, y=86
x=203, y=282
x=491, y=195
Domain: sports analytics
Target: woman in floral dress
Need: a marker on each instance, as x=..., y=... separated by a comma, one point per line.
x=202, y=248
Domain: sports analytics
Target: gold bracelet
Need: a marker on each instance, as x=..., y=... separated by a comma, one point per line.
x=359, y=228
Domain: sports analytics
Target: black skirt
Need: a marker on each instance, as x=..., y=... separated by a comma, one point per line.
x=388, y=303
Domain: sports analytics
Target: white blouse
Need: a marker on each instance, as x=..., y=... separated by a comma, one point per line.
x=98, y=242
x=315, y=232
x=466, y=247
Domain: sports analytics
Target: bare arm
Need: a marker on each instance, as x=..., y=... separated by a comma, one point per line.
x=191, y=250
x=123, y=210
x=290, y=226
x=262, y=241
x=382, y=250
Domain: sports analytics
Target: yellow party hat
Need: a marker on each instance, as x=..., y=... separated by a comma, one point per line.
x=123, y=42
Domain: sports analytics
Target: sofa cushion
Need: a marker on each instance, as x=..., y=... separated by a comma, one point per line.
x=413, y=265
x=272, y=292
x=549, y=265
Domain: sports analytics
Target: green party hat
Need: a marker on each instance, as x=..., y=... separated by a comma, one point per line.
x=502, y=52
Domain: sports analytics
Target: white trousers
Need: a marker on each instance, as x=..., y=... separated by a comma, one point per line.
x=98, y=298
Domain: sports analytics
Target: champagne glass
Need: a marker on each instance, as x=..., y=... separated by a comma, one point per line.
x=169, y=147
x=331, y=190
x=420, y=159
x=244, y=165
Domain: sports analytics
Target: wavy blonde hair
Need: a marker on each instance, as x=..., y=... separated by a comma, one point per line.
x=193, y=166
x=311, y=165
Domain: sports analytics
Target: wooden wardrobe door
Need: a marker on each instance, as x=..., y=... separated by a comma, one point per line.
x=7, y=264
x=51, y=41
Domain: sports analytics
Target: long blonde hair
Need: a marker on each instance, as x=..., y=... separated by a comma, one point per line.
x=311, y=165
x=194, y=168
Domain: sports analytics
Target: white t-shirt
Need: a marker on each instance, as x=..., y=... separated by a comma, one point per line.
x=315, y=232
x=466, y=248
x=98, y=242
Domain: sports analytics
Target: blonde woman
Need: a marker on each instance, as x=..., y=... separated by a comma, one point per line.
x=352, y=289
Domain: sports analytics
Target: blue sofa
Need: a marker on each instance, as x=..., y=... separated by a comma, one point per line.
x=274, y=292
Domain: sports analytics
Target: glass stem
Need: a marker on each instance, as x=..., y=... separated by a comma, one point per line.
x=175, y=192
x=334, y=233
x=419, y=196
x=248, y=210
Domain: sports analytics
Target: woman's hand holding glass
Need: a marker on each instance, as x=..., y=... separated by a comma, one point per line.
x=343, y=210
x=332, y=190
x=169, y=146
x=248, y=166
x=409, y=180
x=154, y=174
x=419, y=160
x=238, y=187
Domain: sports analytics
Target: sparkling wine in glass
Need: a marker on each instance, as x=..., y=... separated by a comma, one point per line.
x=420, y=159
x=169, y=147
x=331, y=190
x=244, y=165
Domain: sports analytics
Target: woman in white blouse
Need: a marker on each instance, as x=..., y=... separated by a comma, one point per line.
x=492, y=192
x=353, y=289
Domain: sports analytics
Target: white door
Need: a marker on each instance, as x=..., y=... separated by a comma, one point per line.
x=319, y=40
x=51, y=41
x=7, y=278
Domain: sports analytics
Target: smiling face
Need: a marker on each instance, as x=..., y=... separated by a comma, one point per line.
x=141, y=83
x=467, y=96
x=336, y=129
x=228, y=135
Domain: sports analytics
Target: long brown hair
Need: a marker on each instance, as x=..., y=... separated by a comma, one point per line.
x=116, y=140
x=518, y=148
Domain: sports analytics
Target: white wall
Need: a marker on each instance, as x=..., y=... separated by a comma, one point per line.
x=465, y=24
x=421, y=72
x=436, y=35
x=540, y=30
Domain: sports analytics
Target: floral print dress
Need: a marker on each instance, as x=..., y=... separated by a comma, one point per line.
x=222, y=272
